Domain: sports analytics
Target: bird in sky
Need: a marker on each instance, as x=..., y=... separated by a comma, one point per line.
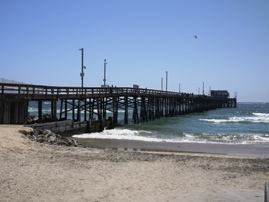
x=195, y=36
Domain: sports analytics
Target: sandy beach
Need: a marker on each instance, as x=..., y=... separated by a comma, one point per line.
x=31, y=171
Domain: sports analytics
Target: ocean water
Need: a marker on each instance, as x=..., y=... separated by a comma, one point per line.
x=246, y=124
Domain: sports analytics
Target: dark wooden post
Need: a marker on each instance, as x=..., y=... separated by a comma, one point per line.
x=104, y=105
x=65, y=109
x=135, y=112
x=39, y=111
x=115, y=110
x=53, y=112
x=126, y=110
x=89, y=126
x=73, y=109
x=61, y=109
x=85, y=109
x=143, y=110
x=78, y=111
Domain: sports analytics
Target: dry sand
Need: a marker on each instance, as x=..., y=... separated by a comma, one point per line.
x=31, y=171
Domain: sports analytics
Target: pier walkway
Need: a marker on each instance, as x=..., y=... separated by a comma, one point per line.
x=88, y=103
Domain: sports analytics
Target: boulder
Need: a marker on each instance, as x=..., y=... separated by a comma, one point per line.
x=47, y=136
x=52, y=139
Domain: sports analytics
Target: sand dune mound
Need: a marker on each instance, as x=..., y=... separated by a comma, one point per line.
x=12, y=139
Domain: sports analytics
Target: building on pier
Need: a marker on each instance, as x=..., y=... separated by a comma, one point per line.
x=220, y=93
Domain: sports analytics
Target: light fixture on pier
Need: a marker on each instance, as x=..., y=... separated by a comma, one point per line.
x=82, y=67
x=166, y=80
x=104, y=72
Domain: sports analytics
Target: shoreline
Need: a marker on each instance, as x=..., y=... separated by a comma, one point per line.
x=32, y=171
x=236, y=150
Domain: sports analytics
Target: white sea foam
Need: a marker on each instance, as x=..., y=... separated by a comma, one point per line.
x=257, y=138
x=124, y=134
x=261, y=114
x=257, y=118
x=230, y=120
x=142, y=135
x=190, y=138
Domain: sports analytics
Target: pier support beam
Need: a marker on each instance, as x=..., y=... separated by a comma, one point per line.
x=39, y=111
x=13, y=112
x=126, y=110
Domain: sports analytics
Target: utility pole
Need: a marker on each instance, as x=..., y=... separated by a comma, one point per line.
x=104, y=72
x=82, y=67
x=166, y=80
x=179, y=88
x=166, y=100
x=203, y=88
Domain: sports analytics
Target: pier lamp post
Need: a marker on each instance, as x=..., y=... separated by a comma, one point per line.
x=166, y=100
x=105, y=72
x=82, y=67
x=166, y=72
x=162, y=84
x=203, y=88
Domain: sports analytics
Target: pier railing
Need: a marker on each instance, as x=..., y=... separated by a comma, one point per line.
x=26, y=91
x=146, y=104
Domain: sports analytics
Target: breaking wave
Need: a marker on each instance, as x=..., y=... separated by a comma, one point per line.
x=255, y=118
x=142, y=135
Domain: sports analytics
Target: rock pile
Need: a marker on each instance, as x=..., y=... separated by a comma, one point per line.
x=47, y=136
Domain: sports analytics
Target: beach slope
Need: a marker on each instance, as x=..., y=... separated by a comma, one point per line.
x=30, y=171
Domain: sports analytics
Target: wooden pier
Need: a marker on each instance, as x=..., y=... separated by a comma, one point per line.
x=94, y=103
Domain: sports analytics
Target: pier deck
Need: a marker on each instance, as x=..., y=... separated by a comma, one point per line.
x=89, y=103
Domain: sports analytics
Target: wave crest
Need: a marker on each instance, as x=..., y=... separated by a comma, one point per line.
x=257, y=118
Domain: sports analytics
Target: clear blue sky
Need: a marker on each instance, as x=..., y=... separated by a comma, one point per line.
x=140, y=39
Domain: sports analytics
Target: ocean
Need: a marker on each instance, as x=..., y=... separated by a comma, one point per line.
x=246, y=124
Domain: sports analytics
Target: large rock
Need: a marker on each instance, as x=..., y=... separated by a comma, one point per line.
x=47, y=136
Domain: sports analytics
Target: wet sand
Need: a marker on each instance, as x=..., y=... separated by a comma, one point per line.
x=30, y=171
x=243, y=150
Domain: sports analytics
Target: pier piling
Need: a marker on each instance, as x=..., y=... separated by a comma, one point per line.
x=101, y=104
